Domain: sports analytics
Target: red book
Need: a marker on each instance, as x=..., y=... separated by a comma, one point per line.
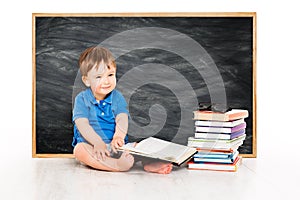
x=217, y=116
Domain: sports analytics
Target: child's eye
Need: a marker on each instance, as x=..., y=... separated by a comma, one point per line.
x=111, y=74
x=97, y=77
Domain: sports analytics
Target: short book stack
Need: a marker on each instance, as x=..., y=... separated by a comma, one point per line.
x=217, y=139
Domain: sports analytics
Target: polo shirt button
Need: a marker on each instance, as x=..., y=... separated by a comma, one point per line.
x=102, y=113
x=104, y=104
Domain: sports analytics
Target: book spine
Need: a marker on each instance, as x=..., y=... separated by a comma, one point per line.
x=238, y=127
x=237, y=134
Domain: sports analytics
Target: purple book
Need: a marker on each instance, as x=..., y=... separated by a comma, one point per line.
x=237, y=133
x=221, y=136
x=214, y=129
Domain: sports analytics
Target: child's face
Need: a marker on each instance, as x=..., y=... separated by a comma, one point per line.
x=101, y=81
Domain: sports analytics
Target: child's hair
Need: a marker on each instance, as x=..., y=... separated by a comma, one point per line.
x=92, y=57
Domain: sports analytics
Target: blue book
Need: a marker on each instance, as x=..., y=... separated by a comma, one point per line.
x=214, y=155
x=198, y=158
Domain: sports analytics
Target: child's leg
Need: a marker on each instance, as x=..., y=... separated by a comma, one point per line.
x=83, y=153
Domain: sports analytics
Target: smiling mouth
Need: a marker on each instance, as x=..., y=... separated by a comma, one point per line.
x=105, y=88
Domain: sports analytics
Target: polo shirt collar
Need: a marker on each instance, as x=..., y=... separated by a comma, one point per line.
x=108, y=99
x=93, y=100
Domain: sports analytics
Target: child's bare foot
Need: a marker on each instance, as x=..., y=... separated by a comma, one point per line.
x=125, y=162
x=158, y=167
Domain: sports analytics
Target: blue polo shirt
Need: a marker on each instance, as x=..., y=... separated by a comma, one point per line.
x=101, y=115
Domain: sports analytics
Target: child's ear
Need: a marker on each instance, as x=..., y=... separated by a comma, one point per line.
x=85, y=81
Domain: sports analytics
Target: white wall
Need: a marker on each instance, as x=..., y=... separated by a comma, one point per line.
x=277, y=64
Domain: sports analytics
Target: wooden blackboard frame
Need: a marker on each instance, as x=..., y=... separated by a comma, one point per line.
x=35, y=154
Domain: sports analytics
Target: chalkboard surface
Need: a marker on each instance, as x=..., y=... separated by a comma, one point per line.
x=164, y=72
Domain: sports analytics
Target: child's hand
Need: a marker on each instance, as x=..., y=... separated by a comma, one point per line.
x=116, y=143
x=100, y=151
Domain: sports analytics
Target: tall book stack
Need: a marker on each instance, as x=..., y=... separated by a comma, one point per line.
x=217, y=139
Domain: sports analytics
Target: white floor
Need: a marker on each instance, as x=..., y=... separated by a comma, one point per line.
x=274, y=174
x=62, y=178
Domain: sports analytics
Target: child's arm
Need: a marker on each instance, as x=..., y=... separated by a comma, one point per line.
x=85, y=129
x=120, y=132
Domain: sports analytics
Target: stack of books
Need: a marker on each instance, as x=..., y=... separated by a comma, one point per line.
x=217, y=139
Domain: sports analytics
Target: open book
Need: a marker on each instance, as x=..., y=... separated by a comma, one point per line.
x=163, y=150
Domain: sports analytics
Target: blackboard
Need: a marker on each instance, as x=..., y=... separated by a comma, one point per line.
x=167, y=64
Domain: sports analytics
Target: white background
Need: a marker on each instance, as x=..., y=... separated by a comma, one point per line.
x=278, y=101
